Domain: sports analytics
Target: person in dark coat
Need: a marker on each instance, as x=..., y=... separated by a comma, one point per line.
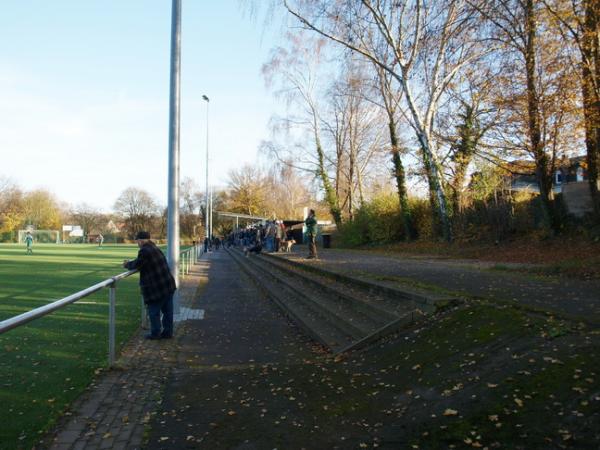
x=157, y=285
x=311, y=232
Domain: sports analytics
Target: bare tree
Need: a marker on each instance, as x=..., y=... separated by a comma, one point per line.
x=297, y=70
x=288, y=192
x=248, y=190
x=534, y=94
x=430, y=44
x=138, y=209
x=189, y=209
x=88, y=217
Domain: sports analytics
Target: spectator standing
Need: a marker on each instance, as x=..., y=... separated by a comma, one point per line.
x=270, y=236
x=311, y=232
x=157, y=285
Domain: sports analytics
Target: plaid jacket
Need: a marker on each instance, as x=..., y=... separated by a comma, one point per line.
x=156, y=281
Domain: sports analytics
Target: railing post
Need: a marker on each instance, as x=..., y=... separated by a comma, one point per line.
x=112, y=299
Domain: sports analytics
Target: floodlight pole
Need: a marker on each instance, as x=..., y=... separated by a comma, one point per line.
x=174, y=109
x=208, y=205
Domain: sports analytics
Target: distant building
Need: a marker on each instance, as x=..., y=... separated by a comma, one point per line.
x=570, y=179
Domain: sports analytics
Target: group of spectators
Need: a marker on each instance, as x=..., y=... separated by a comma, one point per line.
x=212, y=244
x=272, y=236
x=268, y=237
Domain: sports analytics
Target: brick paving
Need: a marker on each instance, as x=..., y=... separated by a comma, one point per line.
x=115, y=410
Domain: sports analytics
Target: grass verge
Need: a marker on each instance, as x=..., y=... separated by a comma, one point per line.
x=475, y=376
x=47, y=363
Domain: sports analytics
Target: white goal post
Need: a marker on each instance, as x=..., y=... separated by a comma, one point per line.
x=41, y=236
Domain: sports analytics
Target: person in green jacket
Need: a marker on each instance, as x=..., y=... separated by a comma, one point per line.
x=29, y=243
x=311, y=231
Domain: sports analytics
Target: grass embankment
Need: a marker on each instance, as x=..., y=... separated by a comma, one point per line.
x=561, y=256
x=47, y=363
x=476, y=376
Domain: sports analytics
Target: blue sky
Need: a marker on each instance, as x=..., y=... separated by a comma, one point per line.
x=84, y=90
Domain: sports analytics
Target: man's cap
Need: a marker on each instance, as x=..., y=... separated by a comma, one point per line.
x=142, y=235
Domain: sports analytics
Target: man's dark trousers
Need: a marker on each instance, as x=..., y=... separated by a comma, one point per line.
x=154, y=311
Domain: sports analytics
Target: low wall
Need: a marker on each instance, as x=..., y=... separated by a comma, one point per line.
x=577, y=197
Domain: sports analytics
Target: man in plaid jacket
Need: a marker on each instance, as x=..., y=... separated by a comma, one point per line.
x=157, y=285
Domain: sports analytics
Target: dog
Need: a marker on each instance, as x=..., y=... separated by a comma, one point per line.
x=286, y=246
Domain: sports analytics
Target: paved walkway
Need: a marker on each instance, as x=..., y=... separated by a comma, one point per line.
x=572, y=297
x=230, y=326
x=115, y=411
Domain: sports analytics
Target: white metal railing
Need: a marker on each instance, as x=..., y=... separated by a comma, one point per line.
x=187, y=258
x=110, y=283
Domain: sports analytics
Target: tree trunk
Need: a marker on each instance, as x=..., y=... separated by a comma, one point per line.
x=590, y=69
x=439, y=203
x=351, y=168
x=542, y=172
x=463, y=156
x=437, y=196
x=400, y=176
x=330, y=196
x=361, y=193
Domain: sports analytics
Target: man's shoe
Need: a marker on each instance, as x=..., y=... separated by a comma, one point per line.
x=166, y=336
x=151, y=336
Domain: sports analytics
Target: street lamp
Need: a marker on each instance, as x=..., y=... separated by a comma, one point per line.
x=207, y=202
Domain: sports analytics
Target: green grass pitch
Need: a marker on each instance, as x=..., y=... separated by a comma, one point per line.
x=48, y=362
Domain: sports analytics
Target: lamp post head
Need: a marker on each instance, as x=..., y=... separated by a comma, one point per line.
x=205, y=98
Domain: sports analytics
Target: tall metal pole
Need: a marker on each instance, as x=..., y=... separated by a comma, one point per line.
x=174, y=109
x=211, y=211
x=207, y=205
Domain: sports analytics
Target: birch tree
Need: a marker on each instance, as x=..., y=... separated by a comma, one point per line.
x=390, y=100
x=429, y=42
x=297, y=70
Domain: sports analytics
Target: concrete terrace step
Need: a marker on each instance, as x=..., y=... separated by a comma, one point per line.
x=422, y=299
x=339, y=301
x=313, y=324
x=341, y=314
